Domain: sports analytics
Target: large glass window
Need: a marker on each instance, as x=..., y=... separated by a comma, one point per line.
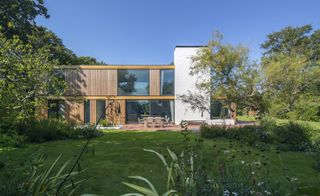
x=87, y=111
x=137, y=109
x=163, y=108
x=56, y=109
x=167, y=82
x=218, y=110
x=100, y=109
x=133, y=82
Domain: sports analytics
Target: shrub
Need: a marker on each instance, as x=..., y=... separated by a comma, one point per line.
x=13, y=140
x=292, y=136
x=105, y=123
x=53, y=129
x=208, y=131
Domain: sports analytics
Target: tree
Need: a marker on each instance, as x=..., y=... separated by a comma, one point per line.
x=17, y=18
x=224, y=72
x=291, y=71
x=27, y=77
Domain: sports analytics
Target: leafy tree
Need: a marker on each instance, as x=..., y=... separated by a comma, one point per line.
x=17, y=17
x=224, y=72
x=291, y=69
x=27, y=77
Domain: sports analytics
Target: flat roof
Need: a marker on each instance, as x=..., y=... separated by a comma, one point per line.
x=117, y=66
x=190, y=46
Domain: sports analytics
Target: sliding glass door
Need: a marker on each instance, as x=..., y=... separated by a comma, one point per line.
x=136, y=109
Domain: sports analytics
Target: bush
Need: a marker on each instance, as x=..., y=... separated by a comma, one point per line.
x=11, y=140
x=52, y=129
x=105, y=123
x=207, y=131
x=246, y=134
x=292, y=136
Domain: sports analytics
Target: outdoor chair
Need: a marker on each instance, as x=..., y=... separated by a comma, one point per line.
x=158, y=121
x=149, y=121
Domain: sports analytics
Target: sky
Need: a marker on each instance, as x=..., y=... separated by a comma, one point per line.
x=147, y=31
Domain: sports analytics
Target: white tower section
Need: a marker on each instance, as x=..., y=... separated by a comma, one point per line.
x=184, y=82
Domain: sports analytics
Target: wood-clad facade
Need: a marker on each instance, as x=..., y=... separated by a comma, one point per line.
x=101, y=83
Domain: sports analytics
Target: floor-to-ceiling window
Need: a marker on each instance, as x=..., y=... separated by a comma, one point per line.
x=163, y=108
x=56, y=109
x=167, y=82
x=133, y=82
x=100, y=109
x=136, y=109
x=218, y=110
x=87, y=111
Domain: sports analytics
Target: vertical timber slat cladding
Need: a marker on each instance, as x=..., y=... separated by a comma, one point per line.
x=91, y=82
x=123, y=111
x=74, y=110
x=155, y=82
x=93, y=111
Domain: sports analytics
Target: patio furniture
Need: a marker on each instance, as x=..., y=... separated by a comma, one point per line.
x=149, y=121
x=158, y=121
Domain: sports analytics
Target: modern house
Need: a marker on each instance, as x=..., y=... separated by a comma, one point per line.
x=125, y=93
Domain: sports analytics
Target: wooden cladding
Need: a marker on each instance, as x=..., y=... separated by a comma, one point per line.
x=74, y=110
x=155, y=82
x=93, y=82
x=102, y=82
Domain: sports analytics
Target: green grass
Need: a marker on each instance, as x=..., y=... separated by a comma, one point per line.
x=118, y=154
x=246, y=118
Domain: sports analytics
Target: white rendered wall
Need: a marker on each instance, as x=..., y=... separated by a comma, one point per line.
x=185, y=82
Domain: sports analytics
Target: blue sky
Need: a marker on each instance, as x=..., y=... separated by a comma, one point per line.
x=146, y=31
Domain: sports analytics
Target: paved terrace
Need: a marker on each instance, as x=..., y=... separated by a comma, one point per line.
x=172, y=127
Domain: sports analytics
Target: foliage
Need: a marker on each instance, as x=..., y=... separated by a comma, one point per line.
x=292, y=136
x=17, y=18
x=289, y=136
x=187, y=176
x=32, y=178
x=12, y=140
x=105, y=122
x=224, y=72
x=52, y=129
x=27, y=75
x=290, y=66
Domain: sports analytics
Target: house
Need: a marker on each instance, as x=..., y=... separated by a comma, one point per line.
x=125, y=93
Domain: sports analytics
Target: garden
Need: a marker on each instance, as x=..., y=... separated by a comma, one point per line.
x=243, y=161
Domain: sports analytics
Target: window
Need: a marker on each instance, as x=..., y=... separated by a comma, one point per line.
x=167, y=82
x=217, y=110
x=56, y=109
x=100, y=109
x=87, y=111
x=136, y=109
x=133, y=82
x=163, y=108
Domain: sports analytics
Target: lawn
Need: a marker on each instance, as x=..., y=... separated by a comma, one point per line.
x=118, y=154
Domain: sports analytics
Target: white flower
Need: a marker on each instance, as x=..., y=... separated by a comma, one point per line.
x=242, y=162
x=260, y=183
x=252, y=173
x=234, y=193
x=226, y=151
x=226, y=193
x=267, y=192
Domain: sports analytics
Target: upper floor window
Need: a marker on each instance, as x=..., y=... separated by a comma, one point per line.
x=133, y=82
x=167, y=82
